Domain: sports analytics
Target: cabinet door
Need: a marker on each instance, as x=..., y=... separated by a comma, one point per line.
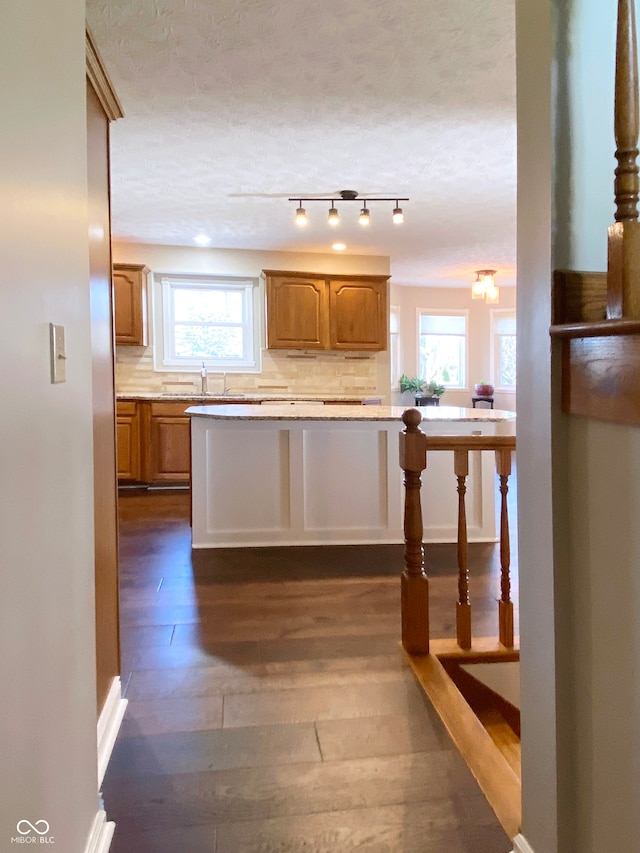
x=128, y=441
x=168, y=444
x=130, y=304
x=297, y=312
x=358, y=312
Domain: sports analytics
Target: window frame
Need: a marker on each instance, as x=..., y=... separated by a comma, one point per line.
x=444, y=312
x=163, y=324
x=495, y=315
x=395, y=345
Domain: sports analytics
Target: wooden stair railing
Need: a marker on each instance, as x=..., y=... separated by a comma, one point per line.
x=489, y=747
x=596, y=317
x=414, y=446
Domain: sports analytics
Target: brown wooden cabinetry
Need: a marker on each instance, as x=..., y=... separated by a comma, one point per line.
x=358, y=314
x=128, y=439
x=309, y=311
x=167, y=443
x=297, y=312
x=130, y=304
x=154, y=442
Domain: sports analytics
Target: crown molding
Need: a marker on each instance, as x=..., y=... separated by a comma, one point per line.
x=99, y=79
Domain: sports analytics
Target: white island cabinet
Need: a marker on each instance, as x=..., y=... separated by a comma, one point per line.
x=313, y=475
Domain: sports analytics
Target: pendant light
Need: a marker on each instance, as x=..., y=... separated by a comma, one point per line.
x=484, y=287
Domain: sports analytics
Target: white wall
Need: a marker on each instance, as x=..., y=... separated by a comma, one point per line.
x=411, y=299
x=48, y=734
x=324, y=373
x=541, y=762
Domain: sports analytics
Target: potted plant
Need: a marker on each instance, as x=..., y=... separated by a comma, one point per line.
x=434, y=389
x=414, y=384
x=484, y=389
x=421, y=386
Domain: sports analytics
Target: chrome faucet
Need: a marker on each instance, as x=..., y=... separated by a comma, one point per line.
x=203, y=380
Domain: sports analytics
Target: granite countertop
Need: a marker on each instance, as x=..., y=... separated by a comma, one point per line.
x=346, y=413
x=216, y=399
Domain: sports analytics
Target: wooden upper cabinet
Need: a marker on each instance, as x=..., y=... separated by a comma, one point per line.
x=297, y=312
x=314, y=311
x=130, y=304
x=358, y=314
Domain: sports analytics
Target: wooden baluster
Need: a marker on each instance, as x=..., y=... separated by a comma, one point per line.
x=463, y=607
x=505, y=605
x=623, y=291
x=414, y=582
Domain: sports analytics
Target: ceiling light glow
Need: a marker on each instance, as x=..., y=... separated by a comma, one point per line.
x=484, y=287
x=301, y=215
x=202, y=239
x=339, y=247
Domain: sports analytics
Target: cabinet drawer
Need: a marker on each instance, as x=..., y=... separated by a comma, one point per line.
x=170, y=410
x=124, y=407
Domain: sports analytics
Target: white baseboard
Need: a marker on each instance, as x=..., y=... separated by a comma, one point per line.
x=109, y=726
x=101, y=834
x=521, y=845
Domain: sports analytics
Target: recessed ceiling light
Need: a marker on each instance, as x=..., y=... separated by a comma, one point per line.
x=339, y=247
x=202, y=239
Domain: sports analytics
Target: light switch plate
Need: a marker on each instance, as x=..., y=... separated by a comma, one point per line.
x=58, y=354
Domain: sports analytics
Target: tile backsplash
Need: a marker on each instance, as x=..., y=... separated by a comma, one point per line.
x=282, y=371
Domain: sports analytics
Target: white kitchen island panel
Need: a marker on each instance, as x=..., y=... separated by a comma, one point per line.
x=346, y=481
x=248, y=483
x=263, y=475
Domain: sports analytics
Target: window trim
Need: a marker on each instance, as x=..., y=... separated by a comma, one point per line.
x=395, y=346
x=162, y=326
x=494, y=315
x=444, y=312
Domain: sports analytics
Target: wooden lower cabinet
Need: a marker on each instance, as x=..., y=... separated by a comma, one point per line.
x=167, y=443
x=128, y=442
x=154, y=443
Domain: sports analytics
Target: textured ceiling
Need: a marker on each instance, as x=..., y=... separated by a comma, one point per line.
x=233, y=105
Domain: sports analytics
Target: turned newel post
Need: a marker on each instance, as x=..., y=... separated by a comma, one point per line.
x=414, y=582
x=623, y=273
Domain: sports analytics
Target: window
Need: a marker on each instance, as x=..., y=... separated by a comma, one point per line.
x=394, y=343
x=210, y=319
x=503, y=353
x=443, y=348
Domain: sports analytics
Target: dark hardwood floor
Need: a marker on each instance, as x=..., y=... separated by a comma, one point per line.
x=270, y=707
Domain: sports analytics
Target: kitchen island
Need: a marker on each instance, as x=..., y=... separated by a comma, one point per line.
x=313, y=475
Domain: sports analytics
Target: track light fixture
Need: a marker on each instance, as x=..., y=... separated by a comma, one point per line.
x=347, y=195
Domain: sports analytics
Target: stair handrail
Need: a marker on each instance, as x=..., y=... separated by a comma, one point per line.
x=414, y=446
